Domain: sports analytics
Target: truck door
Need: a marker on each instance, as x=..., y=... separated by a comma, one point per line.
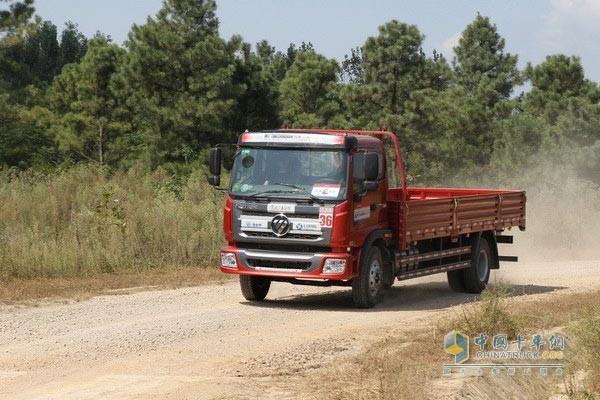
x=369, y=200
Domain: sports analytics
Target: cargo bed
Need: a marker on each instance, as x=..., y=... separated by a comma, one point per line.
x=432, y=213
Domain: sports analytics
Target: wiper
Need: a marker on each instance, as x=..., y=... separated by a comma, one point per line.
x=300, y=188
x=269, y=191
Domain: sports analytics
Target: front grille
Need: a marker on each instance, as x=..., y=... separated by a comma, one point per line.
x=303, y=265
x=289, y=248
x=288, y=236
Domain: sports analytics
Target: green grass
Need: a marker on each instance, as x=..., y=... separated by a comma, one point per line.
x=84, y=221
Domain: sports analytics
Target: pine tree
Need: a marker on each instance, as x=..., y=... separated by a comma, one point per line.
x=557, y=86
x=87, y=124
x=178, y=80
x=15, y=24
x=73, y=45
x=392, y=63
x=261, y=73
x=309, y=91
x=481, y=65
x=485, y=79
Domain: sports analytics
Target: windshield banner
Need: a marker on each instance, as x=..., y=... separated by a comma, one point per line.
x=286, y=137
x=326, y=190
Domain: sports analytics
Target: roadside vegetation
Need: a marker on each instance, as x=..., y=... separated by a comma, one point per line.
x=491, y=315
x=83, y=222
x=587, y=352
x=409, y=365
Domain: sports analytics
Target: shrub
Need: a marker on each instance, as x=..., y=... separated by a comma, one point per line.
x=85, y=221
x=492, y=315
x=587, y=349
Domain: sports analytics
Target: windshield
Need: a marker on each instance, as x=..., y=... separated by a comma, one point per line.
x=311, y=173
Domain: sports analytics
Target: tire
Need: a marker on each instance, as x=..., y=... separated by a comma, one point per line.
x=254, y=288
x=455, y=280
x=475, y=278
x=388, y=269
x=367, y=287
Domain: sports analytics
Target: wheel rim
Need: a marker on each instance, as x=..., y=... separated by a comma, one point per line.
x=374, y=278
x=482, y=265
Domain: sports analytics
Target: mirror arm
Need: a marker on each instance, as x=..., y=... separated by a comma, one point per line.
x=369, y=186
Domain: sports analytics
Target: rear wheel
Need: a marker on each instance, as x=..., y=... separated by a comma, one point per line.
x=367, y=287
x=475, y=278
x=455, y=280
x=254, y=288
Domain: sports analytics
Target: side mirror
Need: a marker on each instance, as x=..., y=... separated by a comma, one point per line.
x=371, y=166
x=366, y=167
x=366, y=172
x=215, y=167
x=369, y=186
x=215, y=161
x=214, y=180
x=358, y=167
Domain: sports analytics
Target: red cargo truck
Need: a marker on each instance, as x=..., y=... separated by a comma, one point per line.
x=316, y=207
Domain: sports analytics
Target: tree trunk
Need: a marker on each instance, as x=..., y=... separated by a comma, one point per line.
x=101, y=144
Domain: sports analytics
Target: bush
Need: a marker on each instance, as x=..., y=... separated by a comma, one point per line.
x=587, y=348
x=492, y=315
x=84, y=221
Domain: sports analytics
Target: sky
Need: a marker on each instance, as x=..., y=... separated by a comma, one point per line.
x=533, y=29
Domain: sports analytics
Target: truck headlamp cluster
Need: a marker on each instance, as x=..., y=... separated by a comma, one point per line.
x=334, y=266
x=228, y=260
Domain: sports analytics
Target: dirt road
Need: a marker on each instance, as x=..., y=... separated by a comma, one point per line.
x=207, y=342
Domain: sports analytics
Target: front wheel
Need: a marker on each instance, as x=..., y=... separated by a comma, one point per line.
x=367, y=287
x=254, y=288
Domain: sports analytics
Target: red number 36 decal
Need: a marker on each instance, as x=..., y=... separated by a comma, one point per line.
x=326, y=220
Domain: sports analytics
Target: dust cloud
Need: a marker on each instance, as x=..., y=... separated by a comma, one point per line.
x=563, y=220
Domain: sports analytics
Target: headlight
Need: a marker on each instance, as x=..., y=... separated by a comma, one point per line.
x=228, y=260
x=334, y=266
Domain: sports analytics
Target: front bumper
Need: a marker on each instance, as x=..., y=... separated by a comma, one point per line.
x=288, y=265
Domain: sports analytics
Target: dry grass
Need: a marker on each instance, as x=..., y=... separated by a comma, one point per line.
x=85, y=222
x=408, y=365
x=492, y=314
x=587, y=348
x=34, y=290
x=393, y=368
x=557, y=310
